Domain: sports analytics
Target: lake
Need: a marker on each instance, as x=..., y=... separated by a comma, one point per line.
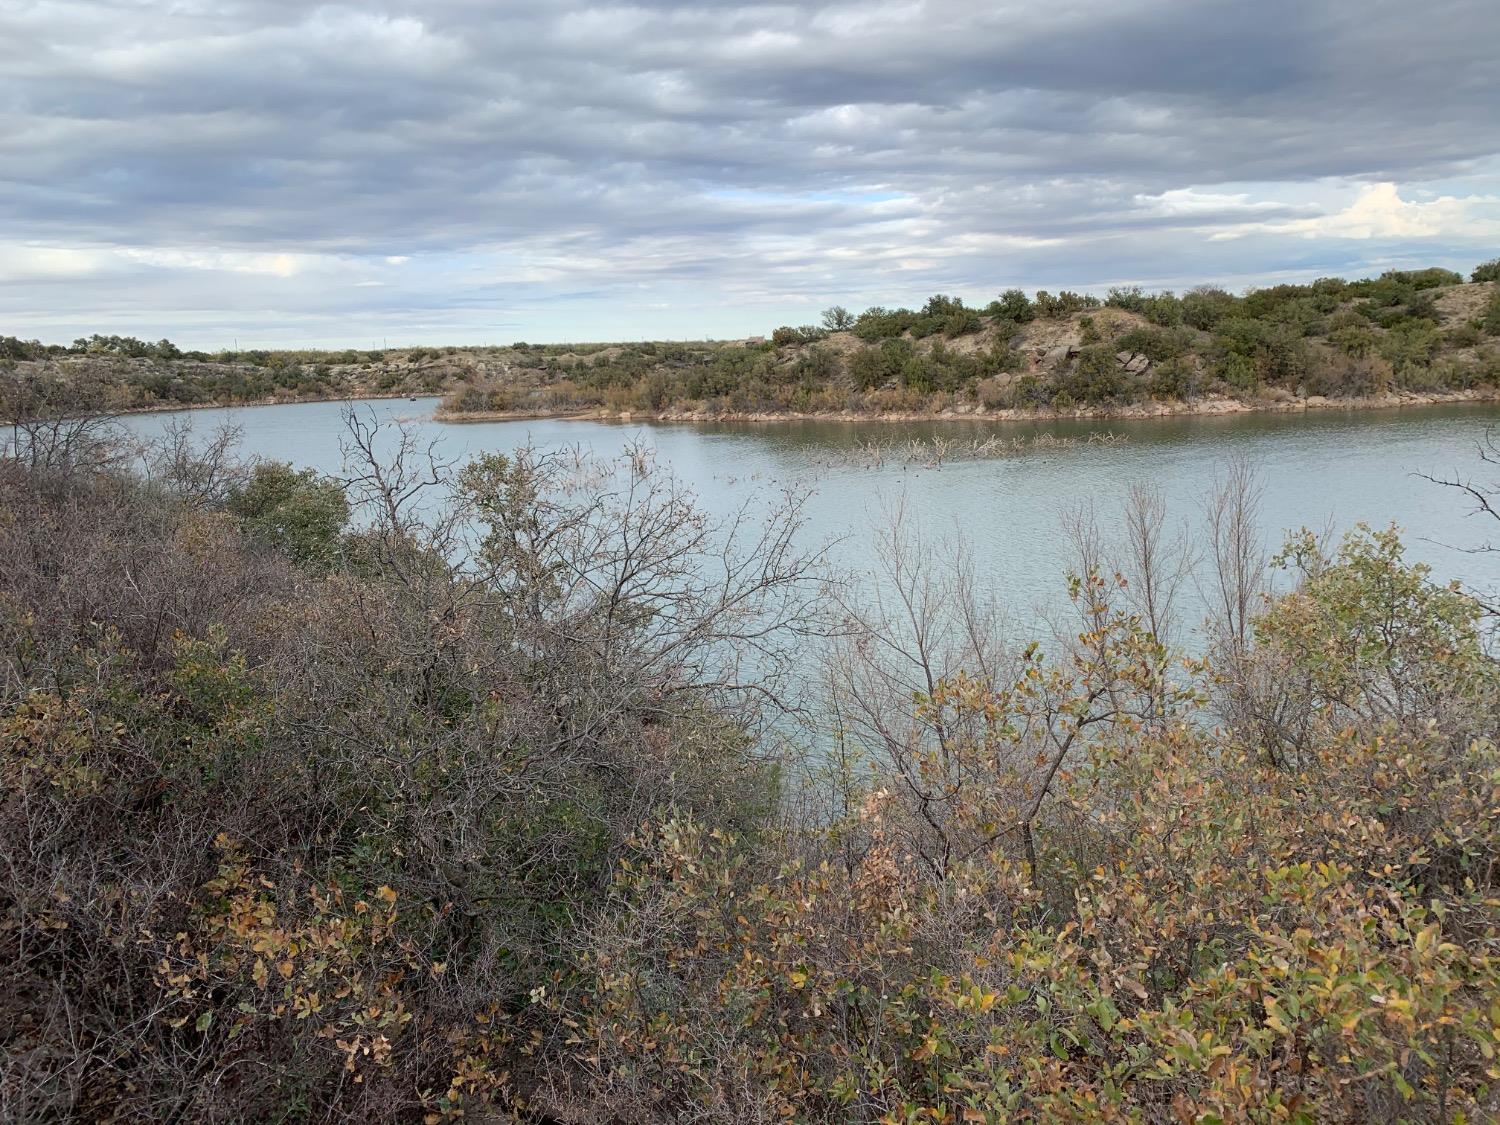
x=1317, y=468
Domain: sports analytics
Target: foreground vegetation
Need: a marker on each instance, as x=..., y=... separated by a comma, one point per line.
x=1413, y=333
x=364, y=800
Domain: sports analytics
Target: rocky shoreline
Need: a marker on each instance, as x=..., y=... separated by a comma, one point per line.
x=1169, y=409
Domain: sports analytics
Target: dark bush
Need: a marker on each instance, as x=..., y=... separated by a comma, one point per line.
x=1131, y=298
x=1431, y=278
x=1013, y=305
x=297, y=512
x=1164, y=309
x=1096, y=376
x=1156, y=344
x=880, y=323
x=1176, y=378
x=961, y=323
x=838, y=319
x=1064, y=304
x=1204, y=307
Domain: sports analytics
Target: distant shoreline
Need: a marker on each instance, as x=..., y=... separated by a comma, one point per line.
x=255, y=404
x=1332, y=345
x=1206, y=407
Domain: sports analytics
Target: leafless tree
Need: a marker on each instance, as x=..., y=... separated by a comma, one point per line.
x=1156, y=561
x=200, y=474
x=58, y=425
x=969, y=735
x=920, y=621
x=1141, y=575
x=1237, y=556
x=1484, y=499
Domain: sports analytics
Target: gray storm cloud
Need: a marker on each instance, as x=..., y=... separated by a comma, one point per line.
x=573, y=169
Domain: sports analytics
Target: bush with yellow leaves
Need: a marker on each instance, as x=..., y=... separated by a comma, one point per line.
x=1201, y=930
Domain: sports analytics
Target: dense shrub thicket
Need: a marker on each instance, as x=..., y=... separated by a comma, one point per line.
x=340, y=801
x=308, y=784
x=123, y=373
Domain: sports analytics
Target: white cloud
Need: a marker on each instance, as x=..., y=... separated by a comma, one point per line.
x=1188, y=202
x=1379, y=212
x=229, y=261
x=21, y=263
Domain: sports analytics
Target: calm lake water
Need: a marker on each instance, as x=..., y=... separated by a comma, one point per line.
x=1318, y=468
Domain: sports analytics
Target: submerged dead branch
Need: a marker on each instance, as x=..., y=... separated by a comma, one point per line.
x=936, y=451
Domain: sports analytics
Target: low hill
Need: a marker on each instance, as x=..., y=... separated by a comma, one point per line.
x=1391, y=338
x=1404, y=336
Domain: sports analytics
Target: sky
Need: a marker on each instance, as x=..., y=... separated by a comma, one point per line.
x=271, y=173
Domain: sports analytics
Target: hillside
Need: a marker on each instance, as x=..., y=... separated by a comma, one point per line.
x=1400, y=336
x=1405, y=336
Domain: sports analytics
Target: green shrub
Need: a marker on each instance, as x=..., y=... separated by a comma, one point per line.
x=1013, y=305
x=919, y=374
x=1464, y=335
x=1276, y=353
x=877, y=323
x=939, y=305
x=1238, y=371
x=1156, y=344
x=1131, y=298
x=1206, y=306
x=1064, y=304
x=12, y=348
x=1164, y=309
x=298, y=512
x=1410, y=342
x=961, y=323
x=1176, y=378
x=1096, y=376
x=837, y=319
x=1029, y=392
x=1490, y=322
x=1431, y=278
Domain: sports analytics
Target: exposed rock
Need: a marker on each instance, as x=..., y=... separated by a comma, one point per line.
x=1464, y=302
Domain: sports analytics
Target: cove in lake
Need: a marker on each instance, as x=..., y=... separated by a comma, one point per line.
x=1317, y=469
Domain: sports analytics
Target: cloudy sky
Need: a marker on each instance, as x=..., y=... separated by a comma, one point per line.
x=471, y=171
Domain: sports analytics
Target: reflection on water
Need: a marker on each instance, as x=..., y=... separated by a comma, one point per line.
x=1321, y=468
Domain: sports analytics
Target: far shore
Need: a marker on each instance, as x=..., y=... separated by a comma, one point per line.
x=250, y=404
x=1204, y=407
x=1132, y=411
